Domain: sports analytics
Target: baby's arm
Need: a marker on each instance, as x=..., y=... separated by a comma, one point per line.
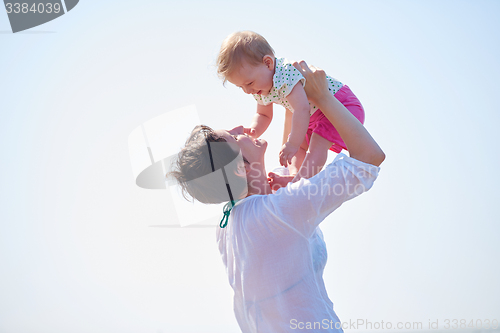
x=260, y=121
x=287, y=128
x=300, y=122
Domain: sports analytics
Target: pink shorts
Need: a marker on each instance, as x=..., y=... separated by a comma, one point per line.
x=319, y=124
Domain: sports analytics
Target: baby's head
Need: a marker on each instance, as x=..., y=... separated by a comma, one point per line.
x=247, y=60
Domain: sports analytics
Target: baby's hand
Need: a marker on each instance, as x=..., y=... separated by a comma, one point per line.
x=242, y=130
x=287, y=152
x=250, y=132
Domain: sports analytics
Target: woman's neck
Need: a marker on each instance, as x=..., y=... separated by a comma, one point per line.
x=257, y=181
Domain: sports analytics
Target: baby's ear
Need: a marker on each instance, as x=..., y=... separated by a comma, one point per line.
x=268, y=61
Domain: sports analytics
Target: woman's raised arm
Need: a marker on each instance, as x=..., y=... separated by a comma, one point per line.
x=359, y=142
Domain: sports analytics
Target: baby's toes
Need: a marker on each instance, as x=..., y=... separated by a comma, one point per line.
x=283, y=180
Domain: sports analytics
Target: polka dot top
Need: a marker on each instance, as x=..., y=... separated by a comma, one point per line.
x=285, y=78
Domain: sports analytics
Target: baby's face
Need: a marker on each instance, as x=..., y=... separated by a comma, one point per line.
x=254, y=79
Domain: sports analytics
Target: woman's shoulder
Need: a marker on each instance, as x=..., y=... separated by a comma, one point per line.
x=250, y=202
x=255, y=210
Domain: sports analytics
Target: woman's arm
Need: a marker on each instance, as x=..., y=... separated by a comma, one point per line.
x=303, y=205
x=359, y=142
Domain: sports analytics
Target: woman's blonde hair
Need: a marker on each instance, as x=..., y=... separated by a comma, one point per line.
x=238, y=46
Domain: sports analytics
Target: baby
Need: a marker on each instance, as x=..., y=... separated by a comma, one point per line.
x=247, y=60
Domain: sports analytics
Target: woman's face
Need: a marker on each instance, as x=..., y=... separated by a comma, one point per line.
x=252, y=149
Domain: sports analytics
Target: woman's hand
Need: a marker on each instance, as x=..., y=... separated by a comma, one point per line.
x=316, y=86
x=359, y=142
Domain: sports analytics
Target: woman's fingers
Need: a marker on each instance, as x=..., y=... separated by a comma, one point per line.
x=307, y=70
x=315, y=78
x=301, y=66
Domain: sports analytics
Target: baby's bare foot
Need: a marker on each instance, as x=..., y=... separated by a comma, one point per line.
x=277, y=181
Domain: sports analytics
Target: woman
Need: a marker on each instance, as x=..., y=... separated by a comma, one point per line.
x=272, y=248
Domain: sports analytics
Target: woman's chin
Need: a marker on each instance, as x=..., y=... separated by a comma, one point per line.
x=264, y=148
x=264, y=144
x=261, y=142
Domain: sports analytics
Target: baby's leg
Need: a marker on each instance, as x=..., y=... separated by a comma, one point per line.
x=297, y=160
x=315, y=159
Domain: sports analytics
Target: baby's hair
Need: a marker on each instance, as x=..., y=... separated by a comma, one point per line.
x=238, y=46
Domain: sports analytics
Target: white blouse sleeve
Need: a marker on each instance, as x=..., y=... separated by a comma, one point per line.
x=286, y=77
x=305, y=204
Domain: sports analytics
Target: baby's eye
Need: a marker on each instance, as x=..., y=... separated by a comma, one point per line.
x=250, y=83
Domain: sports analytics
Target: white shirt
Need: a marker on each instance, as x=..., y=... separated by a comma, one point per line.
x=274, y=251
x=285, y=78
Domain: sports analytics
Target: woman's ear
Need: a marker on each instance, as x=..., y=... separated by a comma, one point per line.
x=243, y=169
x=269, y=62
x=247, y=168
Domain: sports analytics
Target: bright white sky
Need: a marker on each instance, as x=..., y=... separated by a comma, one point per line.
x=77, y=250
